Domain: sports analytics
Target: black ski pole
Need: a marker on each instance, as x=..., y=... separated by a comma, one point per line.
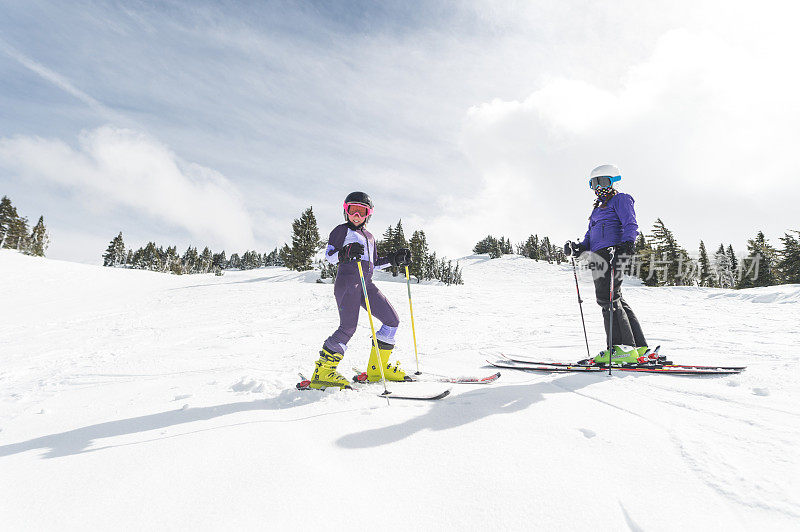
x=611, y=310
x=580, y=305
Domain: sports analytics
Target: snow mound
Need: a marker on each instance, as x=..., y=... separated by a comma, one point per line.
x=782, y=294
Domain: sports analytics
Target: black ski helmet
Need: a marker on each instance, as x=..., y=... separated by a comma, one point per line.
x=358, y=197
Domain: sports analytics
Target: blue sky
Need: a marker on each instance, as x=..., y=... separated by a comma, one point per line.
x=217, y=123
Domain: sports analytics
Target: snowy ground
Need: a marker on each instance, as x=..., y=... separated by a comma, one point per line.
x=135, y=400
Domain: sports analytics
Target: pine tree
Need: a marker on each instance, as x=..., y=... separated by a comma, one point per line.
x=284, y=256
x=148, y=258
x=250, y=260
x=429, y=269
x=789, y=263
x=206, y=260
x=672, y=259
x=457, y=275
x=645, y=255
x=272, y=258
x=7, y=216
x=235, y=261
x=507, y=248
x=385, y=244
x=723, y=269
x=704, y=266
x=732, y=257
x=447, y=272
x=115, y=252
x=219, y=260
x=531, y=248
x=399, y=240
x=189, y=260
x=545, y=250
x=19, y=234
x=305, y=241
x=761, y=261
x=172, y=261
x=488, y=245
x=419, y=252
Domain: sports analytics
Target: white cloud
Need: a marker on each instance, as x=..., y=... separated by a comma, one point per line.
x=113, y=168
x=694, y=127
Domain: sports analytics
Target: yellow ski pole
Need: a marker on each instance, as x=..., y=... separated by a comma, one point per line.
x=413, y=330
x=372, y=327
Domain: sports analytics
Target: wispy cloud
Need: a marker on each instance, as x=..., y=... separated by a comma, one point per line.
x=119, y=168
x=57, y=80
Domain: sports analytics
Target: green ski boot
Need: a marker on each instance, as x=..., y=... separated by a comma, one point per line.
x=623, y=354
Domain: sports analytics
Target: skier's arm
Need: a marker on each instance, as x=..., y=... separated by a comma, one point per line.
x=335, y=243
x=381, y=263
x=627, y=216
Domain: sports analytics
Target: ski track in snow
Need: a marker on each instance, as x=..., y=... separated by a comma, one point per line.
x=128, y=390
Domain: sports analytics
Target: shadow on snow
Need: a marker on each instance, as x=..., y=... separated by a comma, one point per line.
x=466, y=408
x=453, y=412
x=78, y=440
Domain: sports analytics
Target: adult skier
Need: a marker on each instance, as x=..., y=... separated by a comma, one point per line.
x=348, y=243
x=612, y=225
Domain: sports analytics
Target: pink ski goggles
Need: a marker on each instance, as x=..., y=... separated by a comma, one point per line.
x=357, y=208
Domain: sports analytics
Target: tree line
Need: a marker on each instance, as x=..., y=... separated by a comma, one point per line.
x=300, y=255
x=426, y=265
x=661, y=261
x=533, y=247
x=15, y=233
x=156, y=258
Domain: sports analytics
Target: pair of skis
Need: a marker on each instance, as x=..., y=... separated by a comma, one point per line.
x=361, y=380
x=664, y=367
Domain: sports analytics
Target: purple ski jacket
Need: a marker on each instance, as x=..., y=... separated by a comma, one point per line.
x=344, y=234
x=612, y=225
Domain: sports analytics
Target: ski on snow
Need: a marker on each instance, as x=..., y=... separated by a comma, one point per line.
x=633, y=368
x=430, y=396
x=666, y=364
x=433, y=377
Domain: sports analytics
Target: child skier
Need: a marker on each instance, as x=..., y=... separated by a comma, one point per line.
x=612, y=225
x=348, y=243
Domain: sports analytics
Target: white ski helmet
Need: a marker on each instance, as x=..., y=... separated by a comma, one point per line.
x=604, y=175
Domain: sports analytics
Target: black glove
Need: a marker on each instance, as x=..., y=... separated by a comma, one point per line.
x=573, y=248
x=351, y=252
x=626, y=248
x=401, y=257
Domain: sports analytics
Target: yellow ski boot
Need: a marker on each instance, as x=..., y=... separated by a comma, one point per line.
x=393, y=373
x=325, y=374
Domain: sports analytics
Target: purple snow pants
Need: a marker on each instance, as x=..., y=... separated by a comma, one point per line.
x=350, y=299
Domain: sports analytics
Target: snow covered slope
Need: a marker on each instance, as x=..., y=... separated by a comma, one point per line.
x=131, y=399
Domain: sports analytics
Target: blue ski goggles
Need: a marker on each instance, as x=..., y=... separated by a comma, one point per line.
x=603, y=181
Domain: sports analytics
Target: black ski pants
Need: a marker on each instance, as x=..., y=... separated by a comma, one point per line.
x=627, y=330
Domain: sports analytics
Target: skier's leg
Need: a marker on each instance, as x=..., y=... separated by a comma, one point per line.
x=348, y=300
x=623, y=333
x=636, y=328
x=385, y=312
x=602, y=287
